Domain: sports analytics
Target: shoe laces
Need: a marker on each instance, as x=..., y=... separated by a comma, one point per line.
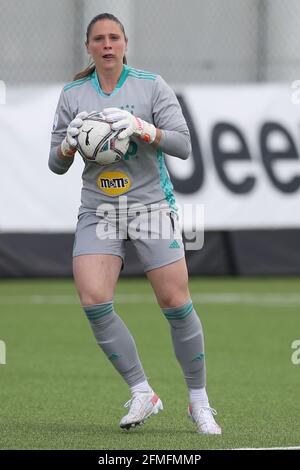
x=199, y=410
x=134, y=404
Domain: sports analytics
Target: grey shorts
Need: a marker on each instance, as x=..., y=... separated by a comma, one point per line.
x=156, y=236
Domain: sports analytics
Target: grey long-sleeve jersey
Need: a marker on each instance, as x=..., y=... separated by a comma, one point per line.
x=142, y=176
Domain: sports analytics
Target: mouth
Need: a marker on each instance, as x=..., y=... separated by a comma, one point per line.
x=108, y=56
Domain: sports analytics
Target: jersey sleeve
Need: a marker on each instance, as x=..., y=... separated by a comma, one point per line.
x=167, y=113
x=63, y=117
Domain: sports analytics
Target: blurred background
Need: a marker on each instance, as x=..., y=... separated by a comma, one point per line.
x=234, y=65
x=199, y=41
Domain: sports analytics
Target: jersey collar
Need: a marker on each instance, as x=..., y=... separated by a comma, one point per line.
x=97, y=86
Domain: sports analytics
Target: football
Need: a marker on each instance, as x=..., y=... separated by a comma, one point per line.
x=98, y=142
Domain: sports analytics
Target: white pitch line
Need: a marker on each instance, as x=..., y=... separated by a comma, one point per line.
x=273, y=300
x=269, y=448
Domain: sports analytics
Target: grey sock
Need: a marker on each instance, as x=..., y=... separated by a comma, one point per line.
x=188, y=342
x=115, y=340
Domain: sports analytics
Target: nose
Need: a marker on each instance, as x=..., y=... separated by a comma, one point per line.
x=107, y=44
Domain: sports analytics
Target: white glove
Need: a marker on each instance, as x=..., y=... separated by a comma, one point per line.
x=69, y=144
x=132, y=125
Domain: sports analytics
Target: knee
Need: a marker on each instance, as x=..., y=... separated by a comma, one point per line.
x=94, y=298
x=173, y=299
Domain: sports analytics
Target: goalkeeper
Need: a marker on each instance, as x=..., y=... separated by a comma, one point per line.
x=146, y=108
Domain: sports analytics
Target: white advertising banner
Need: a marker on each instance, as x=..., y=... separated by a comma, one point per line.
x=245, y=167
x=244, y=171
x=33, y=199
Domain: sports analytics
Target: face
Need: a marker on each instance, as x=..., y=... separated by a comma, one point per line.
x=107, y=45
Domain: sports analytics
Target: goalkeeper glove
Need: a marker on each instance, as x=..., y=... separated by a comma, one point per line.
x=132, y=125
x=69, y=144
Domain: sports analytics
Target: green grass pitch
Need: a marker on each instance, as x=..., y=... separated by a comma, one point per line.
x=58, y=391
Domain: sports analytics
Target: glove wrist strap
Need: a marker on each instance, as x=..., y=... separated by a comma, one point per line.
x=145, y=130
x=66, y=149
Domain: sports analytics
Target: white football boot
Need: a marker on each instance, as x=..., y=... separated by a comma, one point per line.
x=142, y=405
x=203, y=417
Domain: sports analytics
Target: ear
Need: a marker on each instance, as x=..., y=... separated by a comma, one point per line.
x=87, y=47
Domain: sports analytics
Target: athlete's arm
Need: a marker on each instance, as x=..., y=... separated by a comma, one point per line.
x=167, y=116
x=61, y=158
x=64, y=136
x=177, y=144
x=57, y=162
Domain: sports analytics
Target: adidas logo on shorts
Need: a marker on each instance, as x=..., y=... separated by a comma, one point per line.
x=174, y=244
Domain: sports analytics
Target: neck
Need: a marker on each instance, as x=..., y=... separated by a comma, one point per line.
x=108, y=79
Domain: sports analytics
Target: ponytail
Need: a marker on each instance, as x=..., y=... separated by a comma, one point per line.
x=85, y=73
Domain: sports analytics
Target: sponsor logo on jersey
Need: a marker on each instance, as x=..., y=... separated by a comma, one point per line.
x=113, y=183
